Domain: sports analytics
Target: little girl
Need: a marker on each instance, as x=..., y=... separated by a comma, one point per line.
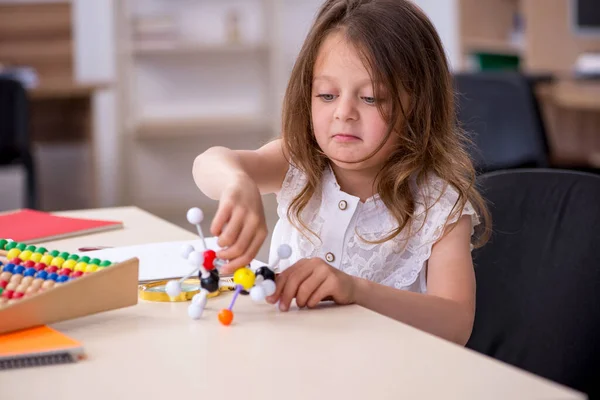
x=375, y=189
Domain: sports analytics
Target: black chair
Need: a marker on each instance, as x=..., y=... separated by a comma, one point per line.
x=538, y=279
x=501, y=114
x=15, y=146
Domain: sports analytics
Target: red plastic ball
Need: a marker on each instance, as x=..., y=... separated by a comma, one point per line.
x=51, y=269
x=8, y=294
x=65, y=271
x=209, y=259
x=18, y=295
x=16, y=261
x=40, y=266
x=76, y=274
x=3, y=284
x=226, y=316
x=29, y=264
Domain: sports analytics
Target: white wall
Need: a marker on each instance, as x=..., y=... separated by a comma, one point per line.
x=444, y=15
x=95, y=61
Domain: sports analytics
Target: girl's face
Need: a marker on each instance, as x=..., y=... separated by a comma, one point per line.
x=346, y=121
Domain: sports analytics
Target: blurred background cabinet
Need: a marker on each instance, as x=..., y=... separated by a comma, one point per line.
x=544, y=40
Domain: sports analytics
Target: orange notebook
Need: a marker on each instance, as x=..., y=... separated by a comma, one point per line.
x=30, y=226
x=36, y=347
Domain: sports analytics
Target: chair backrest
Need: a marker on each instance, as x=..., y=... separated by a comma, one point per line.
x=538, y=279
x=500, y=112
x=14, y=119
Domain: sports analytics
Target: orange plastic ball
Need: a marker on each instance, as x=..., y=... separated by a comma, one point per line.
x=226, y=316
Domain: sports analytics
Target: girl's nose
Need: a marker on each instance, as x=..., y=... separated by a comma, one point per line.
x=346, y=109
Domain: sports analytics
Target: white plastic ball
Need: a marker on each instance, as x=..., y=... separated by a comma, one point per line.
x=258, y=293
x=195, y=311
x=284, y=251
x=195, y=216
x=186, y=249
x=173, y=288
x=196, y=258
x=269, y=287
x=200, y=298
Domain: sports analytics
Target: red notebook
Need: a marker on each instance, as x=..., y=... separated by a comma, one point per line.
x=30, y=226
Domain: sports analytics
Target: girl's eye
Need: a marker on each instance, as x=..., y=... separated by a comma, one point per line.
x=326, y=97
x=369, y=100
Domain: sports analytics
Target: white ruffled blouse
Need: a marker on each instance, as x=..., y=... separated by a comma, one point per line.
x=341, y=220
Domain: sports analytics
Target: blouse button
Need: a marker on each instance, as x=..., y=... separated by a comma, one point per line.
x=329, y=257
x=343, y=205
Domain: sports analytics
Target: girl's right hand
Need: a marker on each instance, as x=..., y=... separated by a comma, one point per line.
x=239, y=223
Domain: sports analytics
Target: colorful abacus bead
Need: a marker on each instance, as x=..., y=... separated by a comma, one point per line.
x=51, y=269
x=3, y=243
x=21, y=246
x=57, y=261
x=46, y=259
x=36, y=257
x=25, y=255
x=10, y=245
x=13, y=253
x=40, y=266
x=80, y=266
x=91, y=268
x=70, y=264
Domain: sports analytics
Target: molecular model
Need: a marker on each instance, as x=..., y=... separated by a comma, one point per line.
x=258, y=284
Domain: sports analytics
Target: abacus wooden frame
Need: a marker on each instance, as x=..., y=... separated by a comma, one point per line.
x=109, y=289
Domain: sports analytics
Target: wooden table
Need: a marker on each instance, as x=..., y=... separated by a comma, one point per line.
x=153, y=350
x=571, y=112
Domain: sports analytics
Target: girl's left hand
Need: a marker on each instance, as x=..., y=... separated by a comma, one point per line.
x=310, y=281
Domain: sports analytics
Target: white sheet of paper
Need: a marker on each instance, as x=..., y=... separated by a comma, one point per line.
x=159, y=260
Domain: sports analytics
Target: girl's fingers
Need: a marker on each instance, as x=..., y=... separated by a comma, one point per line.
x=221, y=217
x=232, y=230
x=292, y=283
x=308, y=287
x=323, y=291
x=281, y=279
x=239, y=248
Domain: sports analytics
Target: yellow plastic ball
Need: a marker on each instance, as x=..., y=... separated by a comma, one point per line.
x=91, y=268
x=57, y=261
x=47, y=259
x=25, y=255
x=69, y=264
x=244, y=277
x=13, y=253
x=81, y=266
x=36, y=257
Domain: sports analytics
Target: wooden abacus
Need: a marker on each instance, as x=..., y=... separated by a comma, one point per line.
x=39, y=287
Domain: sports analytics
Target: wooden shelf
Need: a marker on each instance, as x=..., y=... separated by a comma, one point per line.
x=570, y=94
x=473, y=45
x=163, y=127
x=62, y=90
x=187, y=48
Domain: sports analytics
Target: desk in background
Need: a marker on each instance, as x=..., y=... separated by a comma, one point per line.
x=571, y=110
x=153, y=350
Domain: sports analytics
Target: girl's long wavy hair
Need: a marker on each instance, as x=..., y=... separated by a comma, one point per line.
x=403, y=52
